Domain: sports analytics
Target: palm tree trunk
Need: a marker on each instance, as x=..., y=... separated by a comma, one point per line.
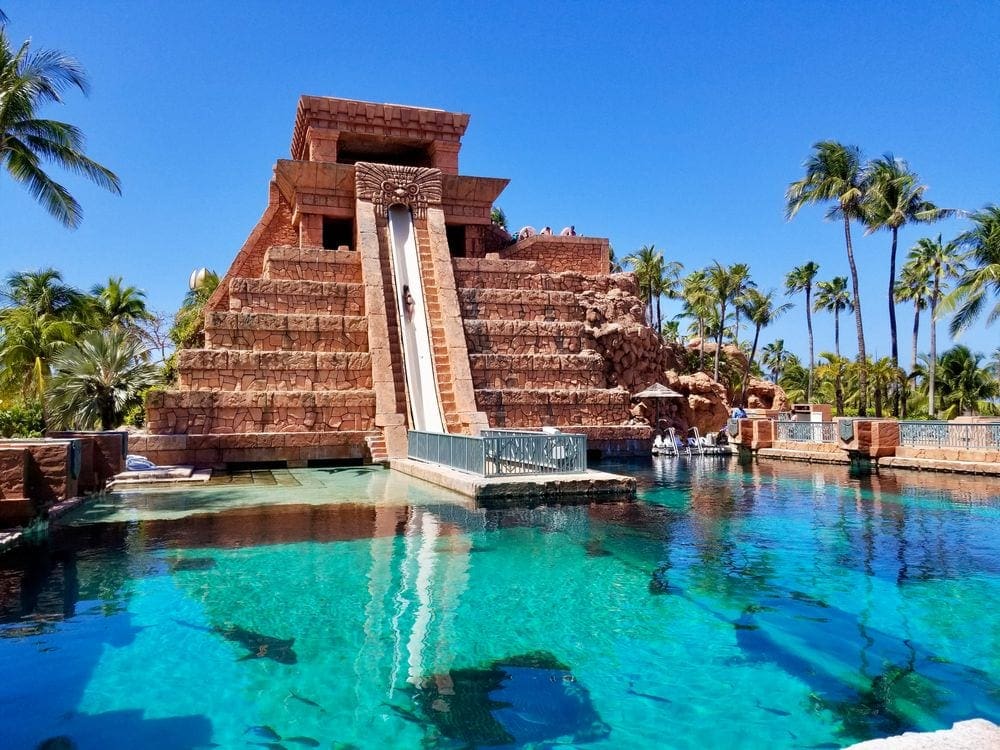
x=701, y=344
x=862, y=354
x=836, y=331
x=892, y=315
x=913, y=354
x=933, y=363
x=718, y=340
x=746, y=371
x=659, y=318
x=809, y=327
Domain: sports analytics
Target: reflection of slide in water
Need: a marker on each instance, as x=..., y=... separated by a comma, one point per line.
x=425, y=414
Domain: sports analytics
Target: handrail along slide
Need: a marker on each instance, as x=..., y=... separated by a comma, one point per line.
x=498, y=453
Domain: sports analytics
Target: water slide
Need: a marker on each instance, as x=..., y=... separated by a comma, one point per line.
x=425, y=413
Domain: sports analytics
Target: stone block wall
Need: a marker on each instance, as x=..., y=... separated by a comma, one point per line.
x=278, y=332
x=13, y=473
x=587, y=255
x=310, y=264
x=219, y=412
x=234, y=370
x=293, y=296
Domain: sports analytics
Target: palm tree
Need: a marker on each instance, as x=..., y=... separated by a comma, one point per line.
x=669, y=287
x=44, y=292
x=938, y=262
x=723, y=286
x=834, y=175
x=832, y=296
x=834, y=369
x=98, y=378
x=28, y=344
x=647, y=265
x=28, y=81
x=498, y=217
x=671, y=331
x=884, y=378
x=762, y=312
x=114, y=305
x=893, y=198
x=188, y=330
x=743, y=283
x=914, y=286
x=800, y=279
x=982, y=278
x=613, y=265
x=774, y=356
x=794, y=380
x=964, y=384
x=697, y=306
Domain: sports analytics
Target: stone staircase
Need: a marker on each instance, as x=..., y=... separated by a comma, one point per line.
x=531, y=360
x=285, y=374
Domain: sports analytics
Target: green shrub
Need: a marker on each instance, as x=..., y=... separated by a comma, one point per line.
x=21, y=419
x=135, y=416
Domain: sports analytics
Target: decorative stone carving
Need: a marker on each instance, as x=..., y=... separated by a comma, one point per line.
x=386, y=185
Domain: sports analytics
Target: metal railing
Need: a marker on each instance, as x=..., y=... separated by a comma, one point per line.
x=950, y=434
x=807, y=432
x=498, y=453
x=457, y=451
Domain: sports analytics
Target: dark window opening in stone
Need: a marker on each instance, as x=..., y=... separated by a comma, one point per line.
x=456, y=240
x=337, y=232
x=353, y=147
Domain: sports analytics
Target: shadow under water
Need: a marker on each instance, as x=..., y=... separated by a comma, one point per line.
x=512, y=702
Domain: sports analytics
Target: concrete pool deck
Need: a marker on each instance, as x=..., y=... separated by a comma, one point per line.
x=576, y=487
x=974, y=734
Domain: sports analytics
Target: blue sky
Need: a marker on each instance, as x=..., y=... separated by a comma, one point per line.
x=678, y=124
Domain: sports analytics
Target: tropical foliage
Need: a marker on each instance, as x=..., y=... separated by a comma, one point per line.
x=97, y=379
x=58, y=345
x=28, y=141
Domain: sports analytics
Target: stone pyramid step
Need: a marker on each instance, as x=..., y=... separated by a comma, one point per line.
x=377, y=448
x=524, y=337
x=295, y=332
x=521, y=304
x=478, y=273
x=311, y=264
x=215, y=412
x=292, y=296
x=554, y=407
x=585, y=370
x=234, y=370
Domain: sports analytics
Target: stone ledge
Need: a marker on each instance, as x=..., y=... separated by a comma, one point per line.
x=818, y=457
x=934, y=464
x=582, y=487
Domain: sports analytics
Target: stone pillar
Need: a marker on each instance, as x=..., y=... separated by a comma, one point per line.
x=444, y=156
x=388, y=415
x=310, y=230
x=14, y=503
x=868, y=438
x=322, y=144
x=755, y=434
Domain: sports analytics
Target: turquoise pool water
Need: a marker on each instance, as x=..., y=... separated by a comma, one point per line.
x=779, y=606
